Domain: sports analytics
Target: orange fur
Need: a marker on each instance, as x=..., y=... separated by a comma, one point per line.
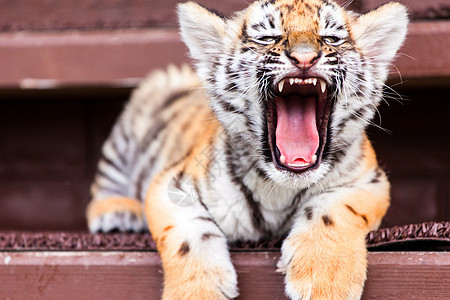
x=332, y=256
x=333, y=251
x=292, y=9
x=370, y=157
x=182, y=268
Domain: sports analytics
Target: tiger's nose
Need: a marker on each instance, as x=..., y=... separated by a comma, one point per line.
x=304, y=60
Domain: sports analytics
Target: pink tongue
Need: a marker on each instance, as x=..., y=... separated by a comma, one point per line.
x=296, y=134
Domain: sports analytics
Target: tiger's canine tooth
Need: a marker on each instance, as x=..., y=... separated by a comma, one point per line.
x=323, y=85
x=291, y=81
x=281, y=85
x=282, y=159
x=314, y=158
x=314, y=81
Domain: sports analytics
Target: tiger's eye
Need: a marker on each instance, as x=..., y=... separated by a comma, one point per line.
x=332, y=40
x=266, y=40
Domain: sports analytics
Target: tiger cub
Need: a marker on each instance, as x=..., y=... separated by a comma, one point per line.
x=267, y=138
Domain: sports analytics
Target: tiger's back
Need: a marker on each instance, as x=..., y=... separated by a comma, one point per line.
x=163, y=121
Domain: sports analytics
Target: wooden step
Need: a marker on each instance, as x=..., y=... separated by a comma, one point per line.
x=138, y=275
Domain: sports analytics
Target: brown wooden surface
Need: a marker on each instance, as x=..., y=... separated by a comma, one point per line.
x=121, y=58
x=137, y=275
x=44, y=15
x=50, y=60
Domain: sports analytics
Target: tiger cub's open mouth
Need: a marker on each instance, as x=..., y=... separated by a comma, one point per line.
x=297, y=123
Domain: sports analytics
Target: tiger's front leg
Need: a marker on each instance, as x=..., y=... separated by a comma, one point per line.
x=193, y=250
x=325, y=256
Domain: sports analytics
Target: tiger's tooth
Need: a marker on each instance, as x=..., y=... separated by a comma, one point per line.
x=299, y=164
x=282, y=159
x=314, y=159
x=291, y=81
x=323, y=86
x=314, y=81
x=281, y=85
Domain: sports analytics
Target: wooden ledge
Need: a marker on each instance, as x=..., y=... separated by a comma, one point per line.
x=45, y=60
x=138, y=275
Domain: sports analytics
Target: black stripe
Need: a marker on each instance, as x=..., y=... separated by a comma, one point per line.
x=331, y=62
x=256, y=214
x=273, y=53
x=155, y=131
x=261, y=173
x=207, y=219
x=274, y=61
x=151, y=135
x=258, y=26
x=184, y=248
x=117, y=188
x=309, y=212
x=265, y=136
x=377, y=176
x=356, y=116
x=122, y=131
x=246, y=49
x=120, y=154
x=271, y=21
x=171, y=99
x=207, y=235
x=199, y=194
x=353, y=211
x=327, y=220
x=292, y=208
x=111, y=163
x=140, y=186
x=231, y=87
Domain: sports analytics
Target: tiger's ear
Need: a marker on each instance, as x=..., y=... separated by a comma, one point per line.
x=381, y=32
x=202, y=31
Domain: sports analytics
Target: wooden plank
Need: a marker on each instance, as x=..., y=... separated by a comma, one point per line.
x=137, y=275
x=116, y=58
x=122, y=58
x=425, y=52
x=408, y=275
x=43, y=15
x=417, y=9
x=79, y=275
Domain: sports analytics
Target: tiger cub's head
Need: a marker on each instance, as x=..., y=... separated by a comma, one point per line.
x=294, y=82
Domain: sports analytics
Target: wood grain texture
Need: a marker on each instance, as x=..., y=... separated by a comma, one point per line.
x=137, y=275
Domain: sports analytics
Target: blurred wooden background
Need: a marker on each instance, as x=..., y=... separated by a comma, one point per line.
x=67, y=68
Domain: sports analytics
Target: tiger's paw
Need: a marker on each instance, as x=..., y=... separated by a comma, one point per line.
x=211, y=283
x=318, y=272
x=192, y=271
x=115, y=214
